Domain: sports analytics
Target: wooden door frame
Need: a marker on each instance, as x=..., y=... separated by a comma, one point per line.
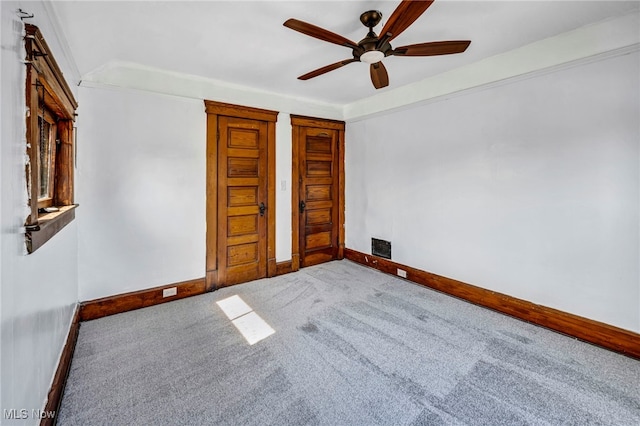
x=214, y=110
x=298, y=121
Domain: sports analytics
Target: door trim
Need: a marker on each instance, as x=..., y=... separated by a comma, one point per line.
x=214, y=110
x=298, y=121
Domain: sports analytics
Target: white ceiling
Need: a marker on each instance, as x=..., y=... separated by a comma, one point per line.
x=245, y=43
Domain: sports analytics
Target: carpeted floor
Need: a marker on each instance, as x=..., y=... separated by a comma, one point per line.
x=352, y=346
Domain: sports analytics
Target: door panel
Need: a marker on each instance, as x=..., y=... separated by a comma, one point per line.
x=242, y=196
x=320, y=145
x=317, y=168
x=319, y=193
x=242, y=188
x=318, y=240
x=242, y=225
x=318, y=216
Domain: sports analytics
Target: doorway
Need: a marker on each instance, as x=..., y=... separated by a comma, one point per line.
x=240, y=194
x=318, y=190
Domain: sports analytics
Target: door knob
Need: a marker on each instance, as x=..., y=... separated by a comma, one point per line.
x=302, y=206
x=262, y=209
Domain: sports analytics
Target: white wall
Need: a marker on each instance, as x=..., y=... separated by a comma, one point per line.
x=283, y=187
x=530, y=188
x=141, y=188
x=38, y=292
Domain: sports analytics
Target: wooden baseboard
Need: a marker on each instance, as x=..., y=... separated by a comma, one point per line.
x=601, y=334
x=285, y=267
x=111, y=305
x=54, y=398
x=288, y=266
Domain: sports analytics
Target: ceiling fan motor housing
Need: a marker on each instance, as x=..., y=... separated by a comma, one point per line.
x=370, y=50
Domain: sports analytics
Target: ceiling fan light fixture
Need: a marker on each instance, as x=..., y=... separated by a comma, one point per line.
x=372, y=56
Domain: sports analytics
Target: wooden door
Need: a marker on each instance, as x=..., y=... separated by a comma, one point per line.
x=242, y=199
x=240, y=194
x=320, y=210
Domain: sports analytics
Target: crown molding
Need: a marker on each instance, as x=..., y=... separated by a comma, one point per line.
x=137, y=76
x=595, y=42
x=612, y=37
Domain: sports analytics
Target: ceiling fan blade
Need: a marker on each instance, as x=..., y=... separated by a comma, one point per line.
x=326, y=69
x=404, y=15
x=379, y=76
x=432, y=48
x=319, y=33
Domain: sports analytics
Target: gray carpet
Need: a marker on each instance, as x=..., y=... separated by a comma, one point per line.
x=352, y=346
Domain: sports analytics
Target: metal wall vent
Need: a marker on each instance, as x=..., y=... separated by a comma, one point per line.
x=381, y=248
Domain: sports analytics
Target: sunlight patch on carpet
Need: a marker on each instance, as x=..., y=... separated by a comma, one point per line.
x=252, y=327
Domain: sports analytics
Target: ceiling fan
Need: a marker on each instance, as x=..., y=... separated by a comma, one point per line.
x=373, y=48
